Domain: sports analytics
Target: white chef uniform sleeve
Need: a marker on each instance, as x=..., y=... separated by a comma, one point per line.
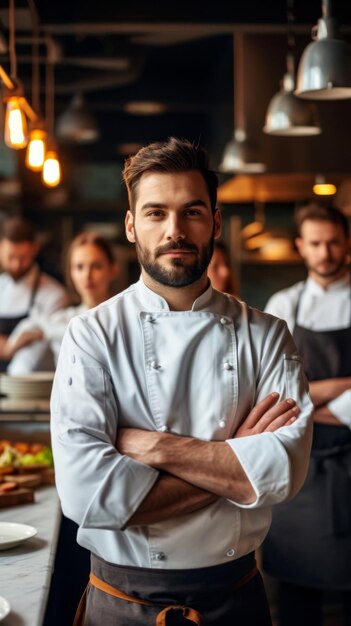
x=276, y=463
x=98, y=487
x=341, y=407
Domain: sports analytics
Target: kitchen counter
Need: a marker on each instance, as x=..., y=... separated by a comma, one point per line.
x=25, y=570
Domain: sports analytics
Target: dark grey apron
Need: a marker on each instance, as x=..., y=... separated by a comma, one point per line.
x=8, y=324
x=212, y=592
x=309, y=542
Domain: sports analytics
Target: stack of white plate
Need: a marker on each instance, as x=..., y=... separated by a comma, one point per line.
x=33, y=386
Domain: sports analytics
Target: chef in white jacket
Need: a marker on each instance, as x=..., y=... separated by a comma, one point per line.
x=308, y=546
x=179, y=417
x=26, y=292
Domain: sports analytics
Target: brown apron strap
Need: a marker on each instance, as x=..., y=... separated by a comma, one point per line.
x=188, y=613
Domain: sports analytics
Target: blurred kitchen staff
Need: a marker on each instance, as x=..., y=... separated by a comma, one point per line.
x=25, y=290
x=219, y=271
x=170, y=444
x=309, y=545
x=90, y=270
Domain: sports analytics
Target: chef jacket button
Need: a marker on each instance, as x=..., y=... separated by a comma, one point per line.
x=227, y=366
x=149, y=318
x=73, y=358
x=223, y=321
x=222, y=424
x=154, y=365
x=70, y=381
x=230, y=552
x=163, y=429
x=160, y=556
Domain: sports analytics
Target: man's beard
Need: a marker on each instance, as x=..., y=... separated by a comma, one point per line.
x=334, y=271
x=182, y=273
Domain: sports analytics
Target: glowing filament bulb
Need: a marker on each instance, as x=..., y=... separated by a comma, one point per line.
x=36, y=150
x=51, y=174
x=15, y=125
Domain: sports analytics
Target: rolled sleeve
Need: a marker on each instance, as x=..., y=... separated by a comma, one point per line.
x=276, y=463
x=98, y=487
x=340, y=407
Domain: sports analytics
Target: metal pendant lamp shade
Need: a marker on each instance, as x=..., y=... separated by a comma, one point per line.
x=290, y=116
x=77, y=124
x=240, y=155
x=324, y=72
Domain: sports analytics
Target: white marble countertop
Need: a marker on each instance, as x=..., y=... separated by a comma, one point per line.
x=25, y=570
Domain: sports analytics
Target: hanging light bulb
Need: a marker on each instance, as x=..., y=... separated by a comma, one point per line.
x=15, y=124
x=15, y=135
x=51, y=172
x=36, y=148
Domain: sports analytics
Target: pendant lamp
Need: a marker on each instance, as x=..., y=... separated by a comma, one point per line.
x=36, y=148
x=240, y=155
x=324, y=72
x=288, y=115
x=51, y=173
x=76, y=124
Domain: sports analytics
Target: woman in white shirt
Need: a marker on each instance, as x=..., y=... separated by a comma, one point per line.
x=90, y=271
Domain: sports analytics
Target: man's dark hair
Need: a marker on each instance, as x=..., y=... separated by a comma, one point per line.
x=17, y=230
x=169, y=157
x=320, y=213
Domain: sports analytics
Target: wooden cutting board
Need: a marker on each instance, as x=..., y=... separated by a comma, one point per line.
x=19, y=496
x=32, y=469
x=24, y=480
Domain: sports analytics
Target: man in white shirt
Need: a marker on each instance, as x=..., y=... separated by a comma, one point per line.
x=25, y=293
x=179, y=416
x=309, y=545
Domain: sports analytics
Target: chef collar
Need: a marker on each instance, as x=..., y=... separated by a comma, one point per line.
x=315, y=288
x=155, y=302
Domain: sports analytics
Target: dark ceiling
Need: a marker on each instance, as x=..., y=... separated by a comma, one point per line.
x=179, y=54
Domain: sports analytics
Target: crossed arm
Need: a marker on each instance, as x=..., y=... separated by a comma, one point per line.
x=9, y=348
x=322, y=392
x=194, y=473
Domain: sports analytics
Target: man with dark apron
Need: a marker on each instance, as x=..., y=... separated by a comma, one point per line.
x=8, y=324
x=308, y=547
x=170, y=444
x=24, y=289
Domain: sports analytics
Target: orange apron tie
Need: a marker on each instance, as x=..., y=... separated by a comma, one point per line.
x=188, y=613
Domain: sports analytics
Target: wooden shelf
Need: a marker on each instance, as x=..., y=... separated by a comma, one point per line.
x=272, y=188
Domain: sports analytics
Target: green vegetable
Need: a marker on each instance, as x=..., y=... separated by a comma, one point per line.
x=44, y=457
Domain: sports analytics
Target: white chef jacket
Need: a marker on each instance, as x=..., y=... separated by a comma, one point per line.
x=319, y=309
x=16, y=294
x=132, y=362
x=53, y=327
x=15, y=301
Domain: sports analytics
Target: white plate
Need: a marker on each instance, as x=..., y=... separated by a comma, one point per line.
x=32, y=377
x=12, y=534
x=4, y=608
